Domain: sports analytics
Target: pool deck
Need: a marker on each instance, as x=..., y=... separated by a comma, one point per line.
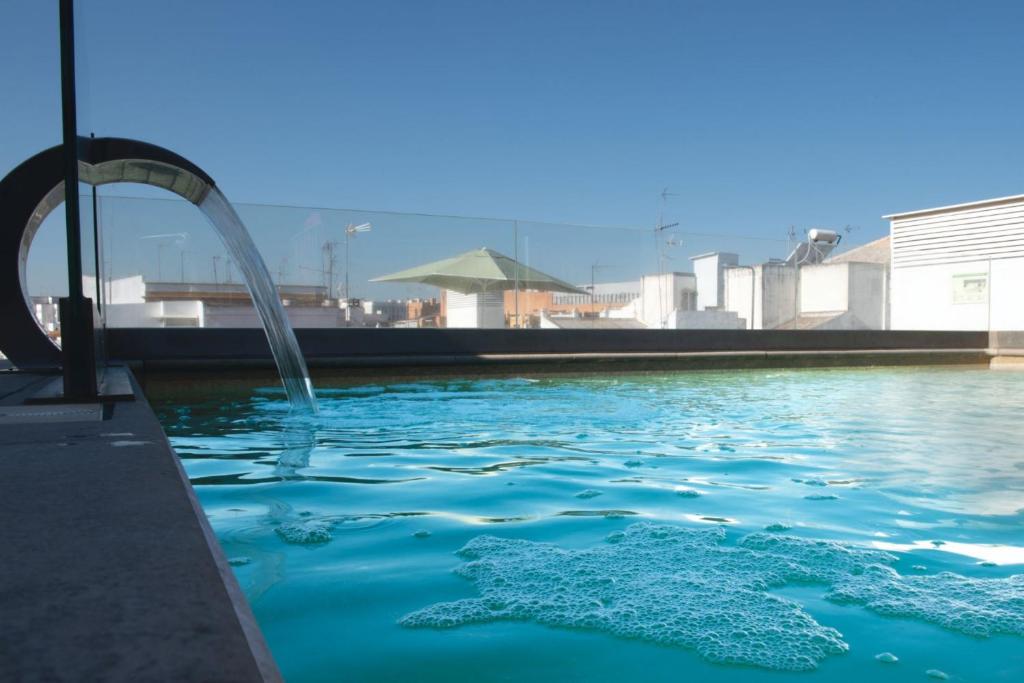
x=109, y=570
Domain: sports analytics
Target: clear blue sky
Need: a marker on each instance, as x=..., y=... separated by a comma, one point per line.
x=759, y=115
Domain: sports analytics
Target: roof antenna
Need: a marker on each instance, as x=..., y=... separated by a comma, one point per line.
x=658, y=242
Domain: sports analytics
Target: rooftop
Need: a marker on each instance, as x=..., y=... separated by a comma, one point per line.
x=878, y=251
x=1012, y=199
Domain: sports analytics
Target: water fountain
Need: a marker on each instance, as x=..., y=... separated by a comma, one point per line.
x=35, y=188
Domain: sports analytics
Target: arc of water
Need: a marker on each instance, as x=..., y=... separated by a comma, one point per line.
x=283, y=344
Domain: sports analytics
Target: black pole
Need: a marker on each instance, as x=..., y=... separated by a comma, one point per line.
x=78, y=355
x=70, y=120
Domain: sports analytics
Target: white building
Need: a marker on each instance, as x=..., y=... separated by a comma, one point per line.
x=389, y=311
x=959, y=267
x=46, y=310
x=764, y=295
x=659, y=296
x=841, y=296
x=848, y=291
x=603, y=294
x=134, y=302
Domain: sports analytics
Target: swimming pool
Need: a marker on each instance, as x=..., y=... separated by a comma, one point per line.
x=711, y=526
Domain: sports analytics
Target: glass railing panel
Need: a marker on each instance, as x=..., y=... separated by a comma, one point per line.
x=356, y=268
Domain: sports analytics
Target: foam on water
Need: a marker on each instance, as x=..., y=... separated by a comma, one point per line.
x=306, y=532
x=684, y=587
x=977, y=607
x=663, y=584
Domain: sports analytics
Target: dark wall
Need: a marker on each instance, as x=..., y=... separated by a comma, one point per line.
x=324, y=345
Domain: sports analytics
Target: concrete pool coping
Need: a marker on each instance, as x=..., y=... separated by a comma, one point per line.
x=110, y=569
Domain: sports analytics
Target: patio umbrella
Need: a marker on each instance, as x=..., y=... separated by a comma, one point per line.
x=480, y=270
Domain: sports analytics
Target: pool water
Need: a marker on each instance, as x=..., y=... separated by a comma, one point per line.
x=707, y=526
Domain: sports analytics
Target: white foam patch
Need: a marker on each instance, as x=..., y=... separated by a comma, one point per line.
x=683, y=587
x=307, y=532
x=977, y=607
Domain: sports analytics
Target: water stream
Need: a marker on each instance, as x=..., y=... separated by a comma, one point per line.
x=284, y=346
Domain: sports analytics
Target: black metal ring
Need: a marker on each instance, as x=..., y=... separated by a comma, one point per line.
x=34, y=188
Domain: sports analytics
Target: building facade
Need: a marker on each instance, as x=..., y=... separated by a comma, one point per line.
x=959, y=267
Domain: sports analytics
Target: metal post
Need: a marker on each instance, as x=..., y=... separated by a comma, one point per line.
x=77, y=341
x=70, y=123
x=330, y=269
x=96, y=244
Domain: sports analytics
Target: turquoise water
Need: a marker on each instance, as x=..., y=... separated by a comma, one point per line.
x=749, y=525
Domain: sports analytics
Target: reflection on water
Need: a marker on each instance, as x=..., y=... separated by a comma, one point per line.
x=339, y=524
x=993, y=554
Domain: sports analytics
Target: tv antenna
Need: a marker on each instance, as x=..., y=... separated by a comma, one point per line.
x=594, y=268
x=282, y=268
x=661, y=245
x=163, y=240
x=329, y=259
x=350, y=232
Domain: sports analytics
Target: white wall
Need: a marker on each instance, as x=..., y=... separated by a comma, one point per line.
x=1007, y=290
x=922, y=298
x=868, y=298
x=707, y=320
x=740, y=295
x=660, y=295
x=154, y=314
x=848, y=286
x=485, y=310
x=193, y=313
x=709, y=270
x=298, y=316
x=824, y=288
x=779, y=295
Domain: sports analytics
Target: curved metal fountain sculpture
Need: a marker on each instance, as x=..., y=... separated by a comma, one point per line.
x=36, y=187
